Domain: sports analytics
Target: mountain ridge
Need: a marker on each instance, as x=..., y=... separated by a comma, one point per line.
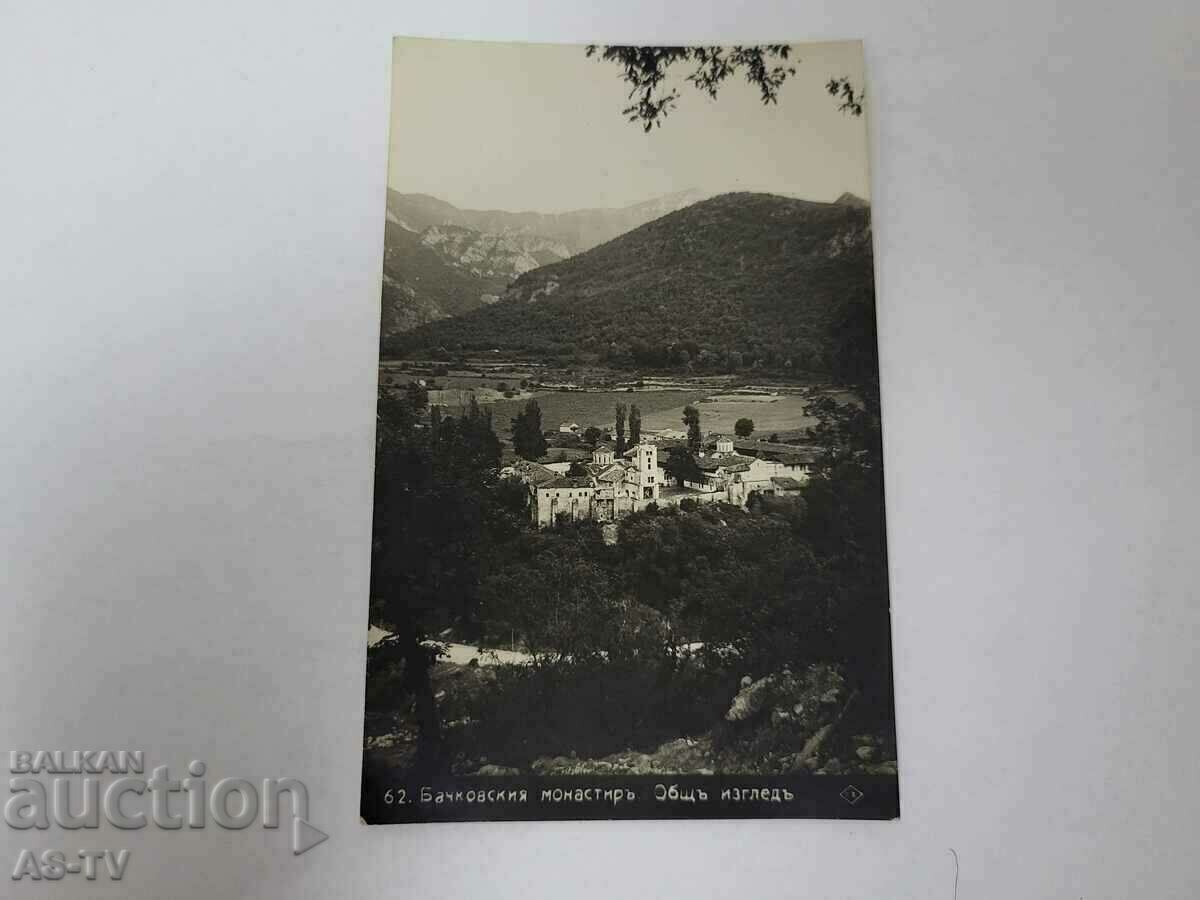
x=849, y=199
x=476, y=253
x=740, y=279
x=580, y=229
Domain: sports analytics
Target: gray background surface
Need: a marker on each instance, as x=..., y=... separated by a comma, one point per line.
x=191, y=202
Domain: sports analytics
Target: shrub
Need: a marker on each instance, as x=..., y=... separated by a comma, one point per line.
x=774, y=720
x=590, y=708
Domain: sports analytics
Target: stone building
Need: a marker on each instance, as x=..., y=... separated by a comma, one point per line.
x=733, y=477
x=607, y=488
x=604, y=489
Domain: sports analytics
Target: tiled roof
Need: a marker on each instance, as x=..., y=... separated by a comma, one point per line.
x=784, y=483
x=800, y=453
x=534, y=473
x=569, y=481
x=730, y=462
x=798, y=459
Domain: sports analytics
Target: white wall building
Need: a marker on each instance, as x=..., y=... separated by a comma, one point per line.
x=608, y=488
x=605, y=489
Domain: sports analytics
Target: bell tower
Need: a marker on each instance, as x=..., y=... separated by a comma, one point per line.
x=647, y=465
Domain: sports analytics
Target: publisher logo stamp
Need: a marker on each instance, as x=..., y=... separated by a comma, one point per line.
x=46, y=791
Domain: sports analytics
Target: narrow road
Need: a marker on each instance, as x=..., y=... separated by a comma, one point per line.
x=462, y=654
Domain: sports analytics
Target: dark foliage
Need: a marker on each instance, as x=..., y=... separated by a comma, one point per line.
x=850, y=100
x=645, y=69
x=765, y=66
x=635, y=425
x=434, y=513
x=528, y=440
x=691, y=421
x=588, y=708
x=680, y=464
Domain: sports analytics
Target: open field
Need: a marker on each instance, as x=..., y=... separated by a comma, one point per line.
x=593, y=407
x=720, y=406
x=660, y=409
x=512, y=381
x=458, y=398
x=784, y=413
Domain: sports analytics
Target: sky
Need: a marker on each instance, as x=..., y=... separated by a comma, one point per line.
x=539, y=127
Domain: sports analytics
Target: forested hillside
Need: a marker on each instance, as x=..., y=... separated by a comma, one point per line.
x=734, y=282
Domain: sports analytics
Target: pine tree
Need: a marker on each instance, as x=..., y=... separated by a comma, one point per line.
x=635, y=425
x=620, y=428
x=527, y=437
x=682, y=466
x=691, y=418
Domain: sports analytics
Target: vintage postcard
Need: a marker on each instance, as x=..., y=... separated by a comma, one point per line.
x=629, y=555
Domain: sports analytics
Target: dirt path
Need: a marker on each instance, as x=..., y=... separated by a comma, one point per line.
x=462, y=654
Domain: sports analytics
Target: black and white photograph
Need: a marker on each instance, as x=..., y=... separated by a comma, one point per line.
x=629, y=555
x=530, y=450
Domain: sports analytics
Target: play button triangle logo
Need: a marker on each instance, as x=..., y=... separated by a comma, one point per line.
x=305, y=837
